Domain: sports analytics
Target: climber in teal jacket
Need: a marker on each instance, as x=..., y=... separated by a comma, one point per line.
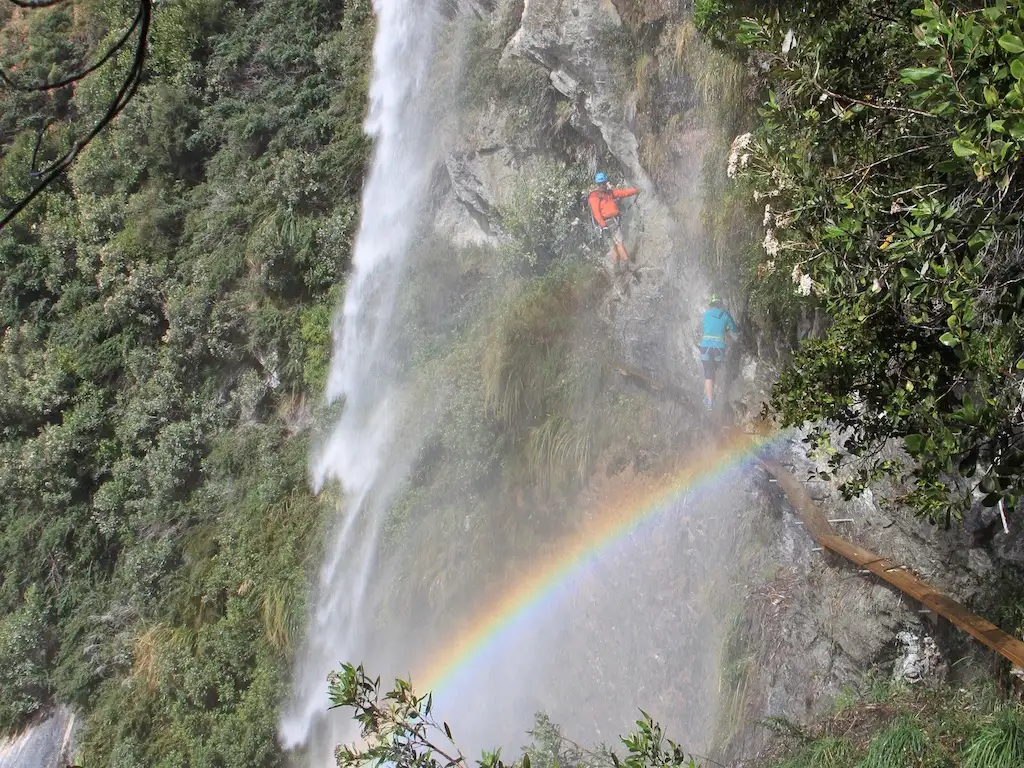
x=718, y=325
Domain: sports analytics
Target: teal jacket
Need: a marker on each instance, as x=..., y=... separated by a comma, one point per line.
x=717, y=322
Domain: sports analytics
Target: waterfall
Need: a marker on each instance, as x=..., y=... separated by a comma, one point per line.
x=636, y=627
x=362, y=453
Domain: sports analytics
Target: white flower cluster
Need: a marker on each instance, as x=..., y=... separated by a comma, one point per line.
x=789, y=43
x=804, y=284
x=771, y=244
x=738, y=155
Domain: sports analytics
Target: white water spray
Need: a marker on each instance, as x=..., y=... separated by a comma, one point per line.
x=363, y=452
x=636, y=631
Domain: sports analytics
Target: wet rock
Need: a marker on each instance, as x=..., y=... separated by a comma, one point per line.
x=47, y=743
x=637, y=12
x=478, y=8
x=565, y=84
x=840, y=623
x=469, y=188
x=565, y=38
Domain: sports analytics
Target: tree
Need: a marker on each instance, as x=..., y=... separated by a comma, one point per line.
x=886, y=159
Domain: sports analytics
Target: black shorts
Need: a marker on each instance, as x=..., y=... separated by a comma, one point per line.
x=711, y=357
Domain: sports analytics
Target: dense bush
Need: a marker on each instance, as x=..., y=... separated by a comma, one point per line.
x=25, y=642
x=884, y=159
x=544, y=217
x=166, y=311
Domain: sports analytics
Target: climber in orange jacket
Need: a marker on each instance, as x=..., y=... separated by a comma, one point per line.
x=604, y=207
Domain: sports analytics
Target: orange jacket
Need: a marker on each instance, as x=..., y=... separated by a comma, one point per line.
x=603, y=203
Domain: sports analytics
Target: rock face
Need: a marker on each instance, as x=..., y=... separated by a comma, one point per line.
x=814, y=624
x=575, y=42
x=47, y=744
x=565, y=37
x=475, y=175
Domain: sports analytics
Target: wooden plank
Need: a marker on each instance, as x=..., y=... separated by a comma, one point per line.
x=817, y=524
x=814, y=519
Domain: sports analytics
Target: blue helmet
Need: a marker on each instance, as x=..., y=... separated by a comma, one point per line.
x=600, y=178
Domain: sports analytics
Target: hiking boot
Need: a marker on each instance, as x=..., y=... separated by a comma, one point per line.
x=708, y=405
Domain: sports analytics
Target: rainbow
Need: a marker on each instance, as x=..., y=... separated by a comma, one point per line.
x=619, y=518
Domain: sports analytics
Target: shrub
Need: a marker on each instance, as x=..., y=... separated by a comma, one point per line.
x=25, y=639
x=545, y=217
x=885, y=184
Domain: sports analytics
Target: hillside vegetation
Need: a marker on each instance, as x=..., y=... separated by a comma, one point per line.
x=883, y=162
x=166, y=310
x=168, y=307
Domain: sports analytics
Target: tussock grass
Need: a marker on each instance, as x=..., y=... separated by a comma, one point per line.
x=998, y=743
x=527, y=342
x=148, y=655
x=560, y=451
x=902, y=743
x=827, y=752
x=896, y=726
x=717, y=77
x=280, y=621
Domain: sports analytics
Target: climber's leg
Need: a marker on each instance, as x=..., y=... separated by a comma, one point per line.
x=709, y=360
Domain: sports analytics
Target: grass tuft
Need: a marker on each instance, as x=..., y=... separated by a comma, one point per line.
x=999, y=743
x=901, y=744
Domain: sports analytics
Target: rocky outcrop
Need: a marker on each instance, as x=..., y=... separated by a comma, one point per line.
x=638, y=12
x=565, y=38
x=475, y=176
x=813, y=624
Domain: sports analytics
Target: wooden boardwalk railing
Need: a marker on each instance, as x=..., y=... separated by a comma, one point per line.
x=817, y=524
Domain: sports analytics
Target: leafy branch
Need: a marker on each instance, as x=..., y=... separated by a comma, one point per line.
x=399, y=729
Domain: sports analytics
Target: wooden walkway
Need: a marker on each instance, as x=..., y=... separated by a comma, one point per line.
x=817, y=524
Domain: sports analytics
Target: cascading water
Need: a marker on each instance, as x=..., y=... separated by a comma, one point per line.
x=631, y=628
x=362, y=453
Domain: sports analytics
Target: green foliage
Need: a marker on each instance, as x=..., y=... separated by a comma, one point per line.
x=889, y=204
x=895, y=726
x=902, y=743
x=315, y=332
x=544, y=217
x=25, y=644
x=999, y=743
x=905, y=728
x=166, y=308
x=706, y=13
x=826, y=752
x=400, y=729
x=541, y=385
